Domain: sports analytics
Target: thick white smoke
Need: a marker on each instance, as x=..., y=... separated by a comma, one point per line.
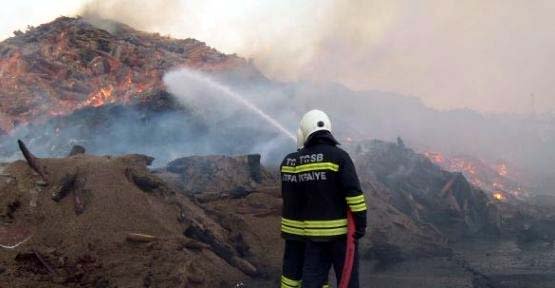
x=451, y=54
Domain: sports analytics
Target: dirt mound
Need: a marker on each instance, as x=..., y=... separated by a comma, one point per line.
x=106, y=222
x=218, y=176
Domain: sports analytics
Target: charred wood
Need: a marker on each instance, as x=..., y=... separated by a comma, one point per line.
x=220, y=248
x=66, y=185
x=144, y=181
x=33, y=161
x=71, y=183
x=77, y=149
x=44, y=262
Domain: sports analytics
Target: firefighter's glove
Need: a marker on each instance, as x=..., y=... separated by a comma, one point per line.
x=359, y=233
x=360, y=224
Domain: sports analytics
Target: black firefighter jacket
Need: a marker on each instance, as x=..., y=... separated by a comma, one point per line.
x=319, y=184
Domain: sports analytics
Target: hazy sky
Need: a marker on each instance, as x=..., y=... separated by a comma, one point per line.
x=489, y=55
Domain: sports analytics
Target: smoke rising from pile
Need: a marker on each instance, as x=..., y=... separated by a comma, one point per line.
x=451, y=54
x=143, y=15
x=487, y=56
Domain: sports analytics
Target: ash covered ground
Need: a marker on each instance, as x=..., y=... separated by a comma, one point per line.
x=194, y=216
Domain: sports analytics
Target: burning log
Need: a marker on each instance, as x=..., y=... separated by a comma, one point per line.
x=33, y=161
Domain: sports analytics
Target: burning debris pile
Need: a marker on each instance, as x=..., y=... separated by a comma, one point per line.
x=68, y=64
x=496, y=179
x=69, y=82
x=424, y=192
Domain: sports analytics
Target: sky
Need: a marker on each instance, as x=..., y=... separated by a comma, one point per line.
x=486, y=55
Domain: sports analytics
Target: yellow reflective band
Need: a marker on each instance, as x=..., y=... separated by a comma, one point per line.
x=314, y=227
x=288, y=169
x=326, y=232
x=355, y=199
x=325, y=223
x=294, y=231
x=293, y=223
x=358, y=207
x=317, y=166
x=356, y=204
x=310, y=167
x=287, y=282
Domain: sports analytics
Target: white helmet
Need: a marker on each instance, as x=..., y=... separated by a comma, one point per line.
x=312, y=121
x=300, y=139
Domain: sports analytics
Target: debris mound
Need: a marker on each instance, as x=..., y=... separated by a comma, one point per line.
x=217, y=176
x=102, y=221
x=69, y=63
x=426, y=193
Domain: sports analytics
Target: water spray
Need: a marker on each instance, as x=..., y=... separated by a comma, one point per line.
x=228, y=92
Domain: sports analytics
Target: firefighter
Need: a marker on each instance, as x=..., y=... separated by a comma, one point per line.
x=292, y=227
x=327, y=180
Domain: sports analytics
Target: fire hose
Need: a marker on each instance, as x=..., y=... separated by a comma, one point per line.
x=349, y=253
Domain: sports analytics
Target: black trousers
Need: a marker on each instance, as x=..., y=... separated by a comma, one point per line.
x=293, y=260
x=320, y=256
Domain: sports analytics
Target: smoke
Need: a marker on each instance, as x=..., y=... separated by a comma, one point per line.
x=490, y=57
x=451, y=54
x=152, y=16
x=210, y=117
x=493, y=56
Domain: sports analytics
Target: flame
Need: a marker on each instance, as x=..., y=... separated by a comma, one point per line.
x=488, y=177
x=435, y=157
x=502, y=169
x=101, y=97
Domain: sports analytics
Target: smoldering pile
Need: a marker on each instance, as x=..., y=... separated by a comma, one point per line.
x=69, y=82
x=68, y=64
